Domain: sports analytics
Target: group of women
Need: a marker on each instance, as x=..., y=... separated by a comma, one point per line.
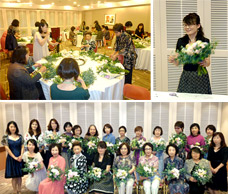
x=33, y=147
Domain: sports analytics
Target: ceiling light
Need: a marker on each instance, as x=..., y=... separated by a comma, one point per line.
x=75, y=3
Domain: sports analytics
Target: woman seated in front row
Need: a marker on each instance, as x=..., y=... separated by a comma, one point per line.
x=69, y=71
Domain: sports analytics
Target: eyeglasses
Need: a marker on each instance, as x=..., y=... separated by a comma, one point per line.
x=148, y=149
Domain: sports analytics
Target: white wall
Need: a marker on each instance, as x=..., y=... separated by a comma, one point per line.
x=130, y=114
x=136, y=14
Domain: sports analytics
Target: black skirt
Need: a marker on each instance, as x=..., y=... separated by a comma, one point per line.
x=191, y=82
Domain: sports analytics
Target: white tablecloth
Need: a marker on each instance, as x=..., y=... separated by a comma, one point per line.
x=174, y=96
x=144, y=58
x=65, y=36
x=102, y=88
x=28, y=41
x=79, y=40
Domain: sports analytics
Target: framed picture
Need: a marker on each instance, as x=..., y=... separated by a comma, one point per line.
x=110, y=19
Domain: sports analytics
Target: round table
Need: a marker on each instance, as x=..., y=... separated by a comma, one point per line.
x=101, y=89
x=144, y=58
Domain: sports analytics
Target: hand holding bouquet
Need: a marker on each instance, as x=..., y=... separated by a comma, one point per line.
x=196, y=53
x=179, y=140
x=201, y=175
x=95, y=174
x=121, y=175
x=54, y=173
x=159, y=146
x=72, y=175
x=137, y=143
x=146, y=171
x=171, y=172
x=31, y=167
x=50, y=139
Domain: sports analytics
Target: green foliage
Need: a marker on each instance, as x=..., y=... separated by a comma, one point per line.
x=145, y=170
x=21, y=40
x=171, y=172
x=50, y=72
x=53, y=57
x=201, y=175
x=110, y=68
x=121, y=175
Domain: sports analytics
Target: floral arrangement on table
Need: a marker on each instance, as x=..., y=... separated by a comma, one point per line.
x=179, y=140
x=91, y=146
x=21, y=40
x=31, y=167
x=201, y=175
x=173, y=173
x=95, y=174
x=146, y=170
x=141, y=43
x=88, y=76
x=159, y=146
x=50, y=138
x=53, y=57
x=121, y=175
x=50, y=72
x=54, y=173
x=195, y=53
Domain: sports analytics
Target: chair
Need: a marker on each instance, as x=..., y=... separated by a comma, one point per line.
x=133, y=92
x=55, y=33
x=121, y=59
x=30, y=46
x=2, y=93
x=95, y=50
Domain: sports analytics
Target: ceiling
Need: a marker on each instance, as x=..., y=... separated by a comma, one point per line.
x=73, y=3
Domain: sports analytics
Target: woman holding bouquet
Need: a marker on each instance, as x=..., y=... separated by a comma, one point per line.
x=14, y=146
x=195, y=162
x=137, y=143
x=125, y=161
x=78, y=161
x=47, y=185
x=194, y=139
x=51, y=136
x=179, y=129
x=92, y=133
x=67, y=134
x=34, y=132
x=210, y=130
x=103, y=161
x=33, y=155
x=159, y=143
x=122, y=138
x=177, y=184
x=217, y=156
x=190, y=81
x=150, y=184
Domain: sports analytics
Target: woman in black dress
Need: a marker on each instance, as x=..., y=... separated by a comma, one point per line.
x=139, y=32
x=11, y=41
x=217, y=156
x=92, y=132
x=102, y=160
x=14, y=145
x=190, y=81
x=124, y=46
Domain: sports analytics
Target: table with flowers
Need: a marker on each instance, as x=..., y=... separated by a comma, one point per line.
x=105, y=86
x=23, y=41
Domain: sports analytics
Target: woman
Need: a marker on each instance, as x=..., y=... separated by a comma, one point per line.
x=217, y=156
x=196, y=160
x=14, y=146
x=194, y=139
x=22, y=85
x=190, y=81
x=124, y=46
x=34, y=132
x=78, y=161
x=77, y=131
x=56, y=187
x=179, y=129
x=67, y=132
x=151, y=184
x=52, y=129
x=139, y=32
x=69, y=71
x=175, y=185
x=122, y=137
x=138, y=137
x=41, y=38
x=99, y=37
x=103, y=161
x=210, y=130
x=82, y=26
x=11, y=41
x=33, y=155
x=156, y=139
x=124, y=159
x=92, y=132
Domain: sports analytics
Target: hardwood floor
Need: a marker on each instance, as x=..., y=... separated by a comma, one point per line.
x=139, y=78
